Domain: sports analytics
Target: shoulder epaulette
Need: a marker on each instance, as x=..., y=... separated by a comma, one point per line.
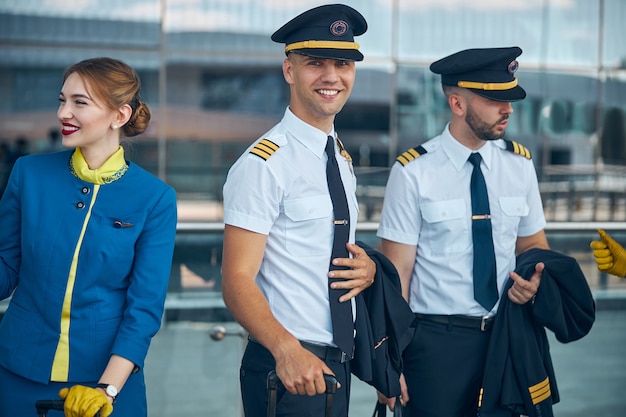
x=264, y=149
x=515, y=147
x=410, y=155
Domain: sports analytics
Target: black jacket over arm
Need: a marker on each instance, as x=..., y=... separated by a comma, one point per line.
x=519, y=376
x=384, y=327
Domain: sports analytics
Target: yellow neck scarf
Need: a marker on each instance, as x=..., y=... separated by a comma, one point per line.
x=112, y=170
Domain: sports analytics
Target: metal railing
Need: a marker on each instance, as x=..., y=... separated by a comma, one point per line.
x=567, y=237
x=199, y=247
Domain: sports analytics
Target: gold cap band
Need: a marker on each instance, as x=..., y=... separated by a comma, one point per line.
x=321, y=45
x=488, y=86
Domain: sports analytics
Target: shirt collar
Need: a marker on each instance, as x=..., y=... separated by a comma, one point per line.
x=311, y=137
x=459, y=153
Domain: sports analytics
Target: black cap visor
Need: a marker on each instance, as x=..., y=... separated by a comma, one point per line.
x=339, y=54
x=514, y=94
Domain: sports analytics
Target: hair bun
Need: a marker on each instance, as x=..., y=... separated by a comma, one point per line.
x=138, y=121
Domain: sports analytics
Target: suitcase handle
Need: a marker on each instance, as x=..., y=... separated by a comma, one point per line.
x=43, y=406
x=272, y=387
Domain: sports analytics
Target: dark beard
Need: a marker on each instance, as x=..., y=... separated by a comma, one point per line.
x=481, y=129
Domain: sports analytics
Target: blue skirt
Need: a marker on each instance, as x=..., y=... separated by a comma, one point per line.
x=18, y=395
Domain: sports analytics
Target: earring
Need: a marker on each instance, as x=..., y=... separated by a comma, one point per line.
x=114, y=126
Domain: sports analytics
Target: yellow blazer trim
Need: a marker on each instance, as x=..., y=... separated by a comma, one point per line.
x=488, y=86
x=264, y=149
x=321, y=44
x=61, y=363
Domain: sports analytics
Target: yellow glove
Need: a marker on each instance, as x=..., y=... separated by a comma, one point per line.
x=81, y=401
x=609, y=255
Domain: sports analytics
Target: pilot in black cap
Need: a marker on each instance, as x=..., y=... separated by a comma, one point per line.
x=325, y=32
x=488, y=72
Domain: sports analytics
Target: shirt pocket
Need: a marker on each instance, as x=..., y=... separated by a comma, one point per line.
x=445, y=227
x=308, y=227
x=513, y=209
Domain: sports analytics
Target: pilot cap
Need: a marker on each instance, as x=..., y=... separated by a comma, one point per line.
x=488, y=72
x=325, y=32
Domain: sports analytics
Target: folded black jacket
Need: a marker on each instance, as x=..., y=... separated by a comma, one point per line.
x=519, y=376
x=384, y=327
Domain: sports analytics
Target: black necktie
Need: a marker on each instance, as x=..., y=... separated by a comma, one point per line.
x=485, y=286
x=341, y=313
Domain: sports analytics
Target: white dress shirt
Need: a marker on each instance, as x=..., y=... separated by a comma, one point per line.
x=286, y=198
x=427, y=203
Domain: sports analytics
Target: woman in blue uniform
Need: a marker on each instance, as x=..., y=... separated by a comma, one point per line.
x=86, y=242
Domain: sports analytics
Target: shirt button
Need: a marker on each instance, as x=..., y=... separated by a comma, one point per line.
x=85, y=190
x=80, y=205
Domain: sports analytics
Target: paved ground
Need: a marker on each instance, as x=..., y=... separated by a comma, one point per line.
x=189, y=374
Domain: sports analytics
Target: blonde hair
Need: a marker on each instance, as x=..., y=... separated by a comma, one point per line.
x=116, y=84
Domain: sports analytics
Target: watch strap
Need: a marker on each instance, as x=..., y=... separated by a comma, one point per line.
x=106, y=390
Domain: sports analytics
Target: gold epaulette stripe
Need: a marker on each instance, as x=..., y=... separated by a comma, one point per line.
x=540, y=392
x=264, y=149
x=517, y=148
x=410, y=155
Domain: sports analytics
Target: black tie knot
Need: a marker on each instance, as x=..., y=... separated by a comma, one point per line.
x=330, y=146
x=475, y=159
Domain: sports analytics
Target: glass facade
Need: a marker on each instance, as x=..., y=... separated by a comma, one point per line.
x=212, y=78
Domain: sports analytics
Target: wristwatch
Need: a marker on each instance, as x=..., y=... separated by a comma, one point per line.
x=110, y=390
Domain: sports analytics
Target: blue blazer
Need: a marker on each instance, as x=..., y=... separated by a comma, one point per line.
x=122, y=273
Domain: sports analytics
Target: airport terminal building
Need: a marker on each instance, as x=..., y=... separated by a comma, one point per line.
x=212, y=77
